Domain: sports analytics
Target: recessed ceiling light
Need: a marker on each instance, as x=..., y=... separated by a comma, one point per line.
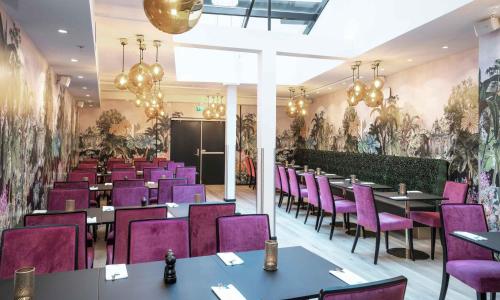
x=74, y=60
x=62, y=31
x=84, y=87
x=410, y=60
x=80, y=77
x=445, y=47
x=87, y=95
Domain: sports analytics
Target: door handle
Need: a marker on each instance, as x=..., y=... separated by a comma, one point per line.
x=197, y=152
x=207, y=153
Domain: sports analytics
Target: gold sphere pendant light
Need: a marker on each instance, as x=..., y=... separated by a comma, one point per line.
x=121, y=79
x=378, y=82
x=352, y=99
x=375, y=96
x=173, y=16
x=140, y=79
x=157, y=69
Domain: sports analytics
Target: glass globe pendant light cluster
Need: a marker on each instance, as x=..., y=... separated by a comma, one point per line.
x=215, y=109
x=297, y=106
x=143, y=80
x=372, y=94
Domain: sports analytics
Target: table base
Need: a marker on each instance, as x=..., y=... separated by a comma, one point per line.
x=405, y=253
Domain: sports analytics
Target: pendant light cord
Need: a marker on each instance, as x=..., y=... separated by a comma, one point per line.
x=123, y=57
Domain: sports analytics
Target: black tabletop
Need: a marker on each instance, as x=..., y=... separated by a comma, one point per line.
x=492, y=241
x=109, y=187
x=344, y=184
x=412, y=196
x=328, y=175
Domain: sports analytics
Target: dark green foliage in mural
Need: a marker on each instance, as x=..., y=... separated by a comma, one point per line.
x=246, y=134
x=385, y=125
x=161, y=127
x=350, y=125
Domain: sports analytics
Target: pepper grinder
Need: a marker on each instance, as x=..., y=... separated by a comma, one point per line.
x=144, y=201
x=169, y=275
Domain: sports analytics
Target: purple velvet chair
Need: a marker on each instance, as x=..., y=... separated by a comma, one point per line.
x=186, y=172
x=122, y=174
x=92, y=180
x=298, y=191
x=369, y=218
x=471, y=264
x=165, y=189
x=112, y=161
x=186, y=193
x=129, y=196
x=455, y=193
x=157, y=161
x=160, y=173
x=163, y=164
x=312, y=197
x=332, y=206
x=117, y=248
x=78, y=218
x=121, y=165
x=149, y=240
x=389, y=289
x=242, y=233
x=51, y=248
x=128, y=183
x=172, y=166
x=202, y=226
x=140, y=165
x=277, y=183
x=71, y=184
x=146, y=175
x=57, y=198
x=285, y=186
x=87, y=166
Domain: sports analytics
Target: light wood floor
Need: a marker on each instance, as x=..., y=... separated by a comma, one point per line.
x=424, y=277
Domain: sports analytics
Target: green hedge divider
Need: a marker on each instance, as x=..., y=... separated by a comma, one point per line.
x=424, y=174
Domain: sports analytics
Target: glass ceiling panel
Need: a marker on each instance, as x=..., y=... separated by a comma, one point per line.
x=291, y=14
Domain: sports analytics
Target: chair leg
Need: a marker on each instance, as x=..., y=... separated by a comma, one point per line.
x=289, y=203
x=299, y=204
x=412, y=250
x=493, y=296
x=386, y=240
x=444, y=285
x=348, y=224
x=281, y=199
x=358, y=229
x=320, y=220
x=377, y=246
x=481, y=296
x=317, y=218
x=433, y=241
x=364, y=233
x=332, y=227
x=307, y=214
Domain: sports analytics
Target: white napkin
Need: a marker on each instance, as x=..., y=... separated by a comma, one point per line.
x=414, y=192
x=40, y=211
x=151, y=182
x=91, y=220
x=347, y=276
x=230, y=259
x=470, y=236
x=337, y=182
x=169, y=215
x=367, y=183
x=109, y=172
x=399, y=197
x=108, y=183
x=99, y=174
x=329, y=174
x=172, y=204
x=114, y=272
x=227, y=292
x=108, y=208
x=93, y=188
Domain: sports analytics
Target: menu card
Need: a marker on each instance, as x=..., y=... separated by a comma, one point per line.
x=414, y=192
x=227, y=292
x=347, y=276
x=40, y=211
x=471, y=236
x=367, y=183
x=93, y=188
x=172, y=204
x=115, y=272
x=108, y=183
x=91, y=220
x=108, y=208
x=230, y=259
x=399, y=197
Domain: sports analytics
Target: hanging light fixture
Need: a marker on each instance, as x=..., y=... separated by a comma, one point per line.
x=375, y=96
x=121, y=79
x=157, y=69
x=297, y=106
x=215, y=108
x=173, y=17
x=357, y=90
x=140, y=79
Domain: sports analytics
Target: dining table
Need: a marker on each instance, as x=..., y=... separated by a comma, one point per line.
x=103, y=187
x=489, y=240
x=301, y=274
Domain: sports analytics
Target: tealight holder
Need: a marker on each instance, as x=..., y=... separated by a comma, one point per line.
x=353, y=178
x=402, y=189
x=318, y=171
x=286, y=163
x=306, y=168
x=24, y=284
x=69, y=205
x=163, y=176
x=85, y=179
x=271, y=255
x=197, y=198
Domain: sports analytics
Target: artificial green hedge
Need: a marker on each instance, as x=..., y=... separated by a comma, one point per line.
x=424, y=174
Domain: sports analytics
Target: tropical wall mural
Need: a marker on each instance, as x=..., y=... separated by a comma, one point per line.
x=37, y=126
x=489, y=132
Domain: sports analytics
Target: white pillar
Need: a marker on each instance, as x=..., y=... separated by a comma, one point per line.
x=266, y=135
x=230, y=166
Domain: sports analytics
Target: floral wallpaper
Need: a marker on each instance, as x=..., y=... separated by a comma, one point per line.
x=37, y=126
x=489, y=142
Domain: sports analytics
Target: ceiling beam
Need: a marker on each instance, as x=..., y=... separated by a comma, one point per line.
x=258, y=13
x=248, y=13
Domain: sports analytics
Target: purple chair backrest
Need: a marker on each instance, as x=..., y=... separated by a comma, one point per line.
x=277, y=180
x=312, y=189
x=128, y=183
x=129, y=196
x=112, y=162
x=294, y=182
x=57, y=198
x=79, y=175
x=393, y=289
x=242, y=233
x=165, y=189
x=147, y=172
x=87, y=166
x=366, y=210
x=285, y=187
x=172, y=165
x=122, y=220
x=186, y=193
x=78, y=218
x=120, y=165
x=163, y=164
x=158, y=160
x=202, y=226
x=140, y=165
x=325, y=194
x=71, y=184
x=123, y=174
x=463, y=217
x=49, y=249
x=149, y=240
x=455, y=192
x=157, y=174
x=186, y=172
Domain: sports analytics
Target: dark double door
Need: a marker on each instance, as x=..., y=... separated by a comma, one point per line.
x=199, y=143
